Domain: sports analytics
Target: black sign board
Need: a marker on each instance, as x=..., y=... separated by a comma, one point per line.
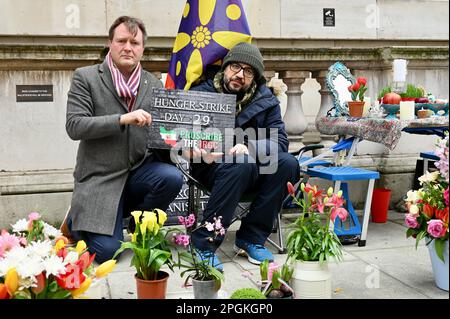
x=179, y=207
x=34, y=93
x=329, y=18
x=191, y=119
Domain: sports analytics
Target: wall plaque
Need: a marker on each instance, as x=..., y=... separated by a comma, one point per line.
x=34, y=93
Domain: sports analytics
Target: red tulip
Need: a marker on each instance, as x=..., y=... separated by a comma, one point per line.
x=361, y=81
x=85, y=260
x=350, y=88
x=3, y=292
x=356, y=86
x=428, y=210
x=442, y=214
x=40, y=285
x=291, y=188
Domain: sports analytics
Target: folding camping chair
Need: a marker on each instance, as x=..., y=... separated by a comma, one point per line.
x=195, y=188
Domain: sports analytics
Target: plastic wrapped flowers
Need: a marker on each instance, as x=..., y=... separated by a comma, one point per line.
x=35, y=263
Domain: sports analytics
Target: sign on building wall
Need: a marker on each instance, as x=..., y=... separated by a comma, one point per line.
x=34, y=93
x=329, y=18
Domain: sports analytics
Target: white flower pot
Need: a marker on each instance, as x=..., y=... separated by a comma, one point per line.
x=311, y=280
x=440, y=269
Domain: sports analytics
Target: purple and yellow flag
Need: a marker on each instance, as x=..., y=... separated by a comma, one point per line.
x=208, y=30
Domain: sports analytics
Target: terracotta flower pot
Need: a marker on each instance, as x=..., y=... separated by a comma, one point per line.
x=356, y=108
x=152, y=289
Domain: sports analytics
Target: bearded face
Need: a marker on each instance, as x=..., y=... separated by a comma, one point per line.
x=238, y=77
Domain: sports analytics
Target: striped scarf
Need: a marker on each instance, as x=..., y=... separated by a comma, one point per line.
x=127, y=90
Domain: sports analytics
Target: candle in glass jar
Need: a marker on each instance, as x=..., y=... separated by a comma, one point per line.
x=407, y=110
x=366, y=106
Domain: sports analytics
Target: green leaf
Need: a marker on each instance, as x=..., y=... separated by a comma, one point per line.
x=439, y=246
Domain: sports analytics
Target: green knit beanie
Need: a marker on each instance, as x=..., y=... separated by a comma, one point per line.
x=245, y=53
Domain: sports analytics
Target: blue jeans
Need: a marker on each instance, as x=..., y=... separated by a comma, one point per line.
x=152, y=185
x=229, y=182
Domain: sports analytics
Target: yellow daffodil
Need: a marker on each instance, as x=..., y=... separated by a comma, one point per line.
x=136, y=214
x=83, y=287
x=162, y=217
x=59, y=245
x=81, y=246
x=105, y=268
x=12, y=281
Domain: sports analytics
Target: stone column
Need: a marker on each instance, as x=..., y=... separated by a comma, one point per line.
x=326, y=103
x=269, y=75
x=294, y=118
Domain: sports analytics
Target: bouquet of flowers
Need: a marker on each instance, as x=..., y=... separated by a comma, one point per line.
x=427, y=215
x=36, y=264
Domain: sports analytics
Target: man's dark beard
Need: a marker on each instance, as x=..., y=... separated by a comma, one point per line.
x=239, y=94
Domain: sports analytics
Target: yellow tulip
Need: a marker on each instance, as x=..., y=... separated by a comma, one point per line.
x=162, y=216
x=136, y=214
x=81, y=246
x=12, y=281
x=105, y=268
x=83, y=287
x=59, y=245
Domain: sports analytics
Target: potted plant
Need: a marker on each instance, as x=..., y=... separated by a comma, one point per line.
x=427, y=216
x=36, y=264
x=412, y=93
x=152, y=248
x=311, y=243
x=275, y=280
x=357, y=90
x=247, y=293
x=206, y=279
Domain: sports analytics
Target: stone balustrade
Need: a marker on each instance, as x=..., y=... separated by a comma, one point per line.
x=32, y=168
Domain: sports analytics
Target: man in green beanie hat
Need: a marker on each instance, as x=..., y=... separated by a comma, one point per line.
x=257, y=109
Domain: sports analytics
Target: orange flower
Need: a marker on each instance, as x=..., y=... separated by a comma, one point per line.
x=442, y=214
x=428, y=210
x=4, y=292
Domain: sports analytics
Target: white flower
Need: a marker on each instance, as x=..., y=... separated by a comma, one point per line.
x=28, y=282
x=51, y=232
x=428, y=177
x=414, y=210
x=40, y=248
x=413, y=196
x=20, y=226
x=54, y=265
x=30, y=266
x=71, y=257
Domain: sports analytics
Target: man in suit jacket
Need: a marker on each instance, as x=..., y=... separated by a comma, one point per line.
x=115, y=173
x=246, y=170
